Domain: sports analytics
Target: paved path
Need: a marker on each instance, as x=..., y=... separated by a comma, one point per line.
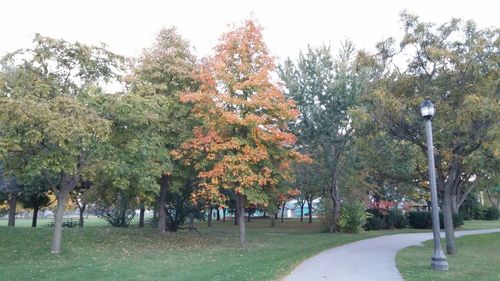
x=366, y=260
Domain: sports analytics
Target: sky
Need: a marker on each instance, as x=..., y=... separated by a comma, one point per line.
x=289, y=26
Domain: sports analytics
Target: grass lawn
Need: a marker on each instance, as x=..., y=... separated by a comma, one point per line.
x=101, y=252
x=478, y=259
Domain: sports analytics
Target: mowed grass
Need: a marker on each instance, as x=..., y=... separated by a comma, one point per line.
x=480, y=224
x=98, y=252
x=478, y=259
x=101, y=252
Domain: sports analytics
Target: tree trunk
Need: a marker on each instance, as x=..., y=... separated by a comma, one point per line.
x=276, y=214
x=241, y=217
x=490, y=198
x=57, y=235
x=191, y=221
x=155, y=209
x=218, y=214
x=273, y=219
x=448, y=224
x=450, y=189
x=302, y=212
x=82, y=210
x=236, y=213
x=283, y=211
x=12, y=209
x=335, y=216
x=335, y=212
x=141, y=214
x=454, y=204
x=36, y=207
x=223, y=214
x=209, y=217
x=264, y=214
x=161, y=202
x=249, y=215
x=309, y=204
x=123, y=208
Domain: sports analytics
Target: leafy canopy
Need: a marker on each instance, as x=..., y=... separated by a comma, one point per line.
x=244, y=144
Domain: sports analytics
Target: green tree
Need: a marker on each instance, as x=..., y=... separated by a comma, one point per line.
x=456, y=66
x=309, y=180
x=136, y=151
x=46, y=128
x=325, y=89
x=51, y=139
x=160, y=74
x=34, y=196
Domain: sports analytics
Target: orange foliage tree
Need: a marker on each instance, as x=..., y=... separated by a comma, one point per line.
x=244, y=145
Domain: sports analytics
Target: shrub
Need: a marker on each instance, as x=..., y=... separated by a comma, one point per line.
x=471, y=209
x=396, y=219
x=423, y=220
x=385, y=219
x=491, y=213
x=352, y=217
x=376, y=220
x=458, y=220
x=420, y=220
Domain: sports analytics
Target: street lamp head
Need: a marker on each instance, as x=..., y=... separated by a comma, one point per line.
x=427, y=109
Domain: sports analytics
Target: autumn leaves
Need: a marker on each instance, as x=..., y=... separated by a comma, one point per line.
x=243, y=147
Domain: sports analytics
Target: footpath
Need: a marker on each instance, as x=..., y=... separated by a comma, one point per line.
x=372, y=259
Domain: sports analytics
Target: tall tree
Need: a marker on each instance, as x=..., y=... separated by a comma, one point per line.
x=456, y=65
x=47, y=130
x=244, y=144
x=324, y=89
x=136, y=151
x=161, y=73
x=54, y=140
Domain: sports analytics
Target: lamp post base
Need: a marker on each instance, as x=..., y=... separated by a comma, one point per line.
x=439, y=264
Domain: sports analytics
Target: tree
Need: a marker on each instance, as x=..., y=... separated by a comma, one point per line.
x=54, y=140
x=47, y=130
x=34, y=196
x=10, y=188
x=54, y=67
x=163, y=71
x=136, y=151
x=456, y=66
x=243, y=144
x=79, y=197
x=325, y=89
x=310, y=182
x=493, y=195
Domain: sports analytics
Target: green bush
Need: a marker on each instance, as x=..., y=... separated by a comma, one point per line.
x=420, y=220
x=352, y=217
x=396, y=219
x=458, y=220
x=471, y=209
x=423, y=220
x=392, y=219
x=491, y=213
x=375, y=222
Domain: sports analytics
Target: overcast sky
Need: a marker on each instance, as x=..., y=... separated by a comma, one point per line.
x=128, y=26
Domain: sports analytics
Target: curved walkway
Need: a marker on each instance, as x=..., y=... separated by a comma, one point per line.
x=366, y=260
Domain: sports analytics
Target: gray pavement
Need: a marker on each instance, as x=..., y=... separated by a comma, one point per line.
x=366, y=260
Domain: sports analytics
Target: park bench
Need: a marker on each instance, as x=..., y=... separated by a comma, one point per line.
x=67, y=222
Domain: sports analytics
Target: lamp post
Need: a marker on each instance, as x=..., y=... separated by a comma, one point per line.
x=438, y=260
